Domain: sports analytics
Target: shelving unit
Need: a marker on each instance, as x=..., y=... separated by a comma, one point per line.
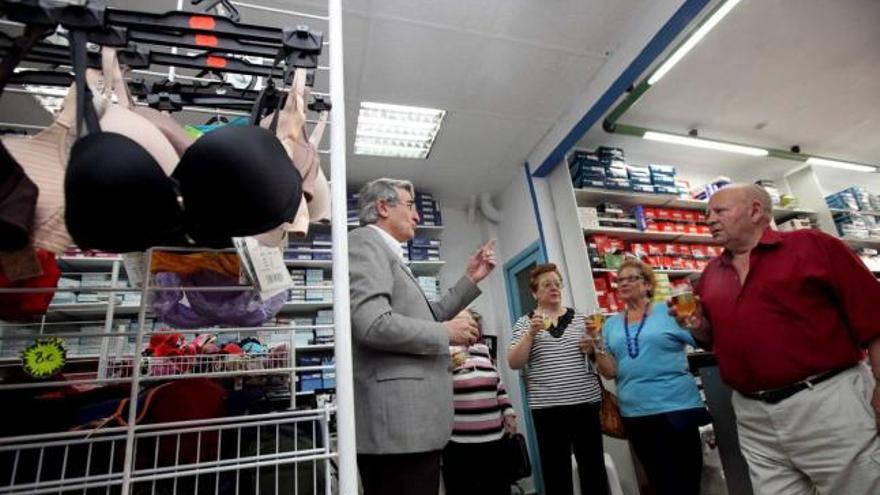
x=648, y=236
x=306, y=447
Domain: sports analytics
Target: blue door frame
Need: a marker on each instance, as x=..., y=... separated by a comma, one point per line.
x=534, y=254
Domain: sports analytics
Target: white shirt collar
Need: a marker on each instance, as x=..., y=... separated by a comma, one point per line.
x=392, y=243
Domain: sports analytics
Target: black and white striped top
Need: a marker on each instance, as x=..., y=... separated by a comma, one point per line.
x=557, y=373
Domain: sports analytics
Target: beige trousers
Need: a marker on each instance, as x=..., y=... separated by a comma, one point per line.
x=822, y=440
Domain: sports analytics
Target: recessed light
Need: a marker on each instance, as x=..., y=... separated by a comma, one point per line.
x=396, y=130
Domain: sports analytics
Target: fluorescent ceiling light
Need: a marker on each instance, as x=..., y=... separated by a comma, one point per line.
x=824, y=162
x=692, y=41
x=704, y=143
x=396, y=130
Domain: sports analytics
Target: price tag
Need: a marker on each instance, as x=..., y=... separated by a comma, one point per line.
x=265, y=264
x=44, y=358
x=135, y=267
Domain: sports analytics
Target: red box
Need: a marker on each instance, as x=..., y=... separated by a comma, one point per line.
x=670, y=249
x=639, y=249
x=684, y=250
x=651, y=225
x=618, y=245
x=601, y=284
x=680, y=227
x=703, y=229
x=700, y=251
x=656, y=248
x=649, y=212
x=677, y=215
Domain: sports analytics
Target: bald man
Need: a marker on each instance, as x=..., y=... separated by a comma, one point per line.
x=789, y=316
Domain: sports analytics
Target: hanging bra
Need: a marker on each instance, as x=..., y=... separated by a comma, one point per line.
x=231, y=182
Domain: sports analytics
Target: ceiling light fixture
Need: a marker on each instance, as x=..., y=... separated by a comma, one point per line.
x=704, y=143
x=692, y=41
x=396, y=130
x=824, y=162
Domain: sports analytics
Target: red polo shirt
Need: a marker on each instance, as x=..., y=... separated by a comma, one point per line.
x=808, y=305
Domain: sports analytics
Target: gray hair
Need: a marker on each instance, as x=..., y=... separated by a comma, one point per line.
x=380, y=189
x=759, y=193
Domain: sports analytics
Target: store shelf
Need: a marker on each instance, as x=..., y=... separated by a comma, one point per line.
x=87, y=263
x=420, y=229
x=426, y=267
x=860, y=212
x=315, y=347
x=306, y=306
x=325, y=264
x=671, y=273
x=90, y=310
x=594, y=196
x=856, y=243
x=650, y=236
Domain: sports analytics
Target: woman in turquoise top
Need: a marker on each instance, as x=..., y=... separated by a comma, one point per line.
x=643, y=349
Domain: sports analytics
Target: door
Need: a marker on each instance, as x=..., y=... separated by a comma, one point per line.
x=520, y=302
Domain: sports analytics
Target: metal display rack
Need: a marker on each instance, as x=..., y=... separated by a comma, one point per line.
x=298, y=442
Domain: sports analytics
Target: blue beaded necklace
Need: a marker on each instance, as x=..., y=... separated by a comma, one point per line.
x=632, y=343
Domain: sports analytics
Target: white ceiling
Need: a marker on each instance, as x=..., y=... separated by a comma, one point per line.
x=505, y=70
x=773, y=73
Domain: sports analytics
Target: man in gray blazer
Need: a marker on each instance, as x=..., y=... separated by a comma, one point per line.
x=402, y=379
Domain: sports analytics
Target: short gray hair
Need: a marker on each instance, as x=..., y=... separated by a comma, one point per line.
x=384, y=189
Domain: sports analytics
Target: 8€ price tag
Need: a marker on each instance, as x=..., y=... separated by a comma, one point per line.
x=44, y=358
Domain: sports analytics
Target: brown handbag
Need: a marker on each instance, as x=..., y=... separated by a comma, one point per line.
x=609, y=414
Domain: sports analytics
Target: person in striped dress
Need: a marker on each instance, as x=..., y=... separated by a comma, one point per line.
x=563, y=392
x=472, y=460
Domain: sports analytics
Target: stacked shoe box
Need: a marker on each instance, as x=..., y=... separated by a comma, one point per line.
x=318, y=246
x=352, y=203
x=854, y=224
x=616, y=173
x=305, y=334
x=640, y=178
x=298, y=292
x=663, y=179
x=324, y=335
x=586, y=170
x=428, y=210
x=315, y=281
x=328, y=376
x=430, y=286
x=424, y=249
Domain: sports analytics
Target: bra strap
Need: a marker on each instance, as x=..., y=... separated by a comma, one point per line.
x=86, y=117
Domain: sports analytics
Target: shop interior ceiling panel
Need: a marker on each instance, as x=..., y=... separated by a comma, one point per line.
x=772, y=73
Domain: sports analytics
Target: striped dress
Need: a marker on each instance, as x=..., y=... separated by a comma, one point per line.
x=480, y=399
x=557, y=373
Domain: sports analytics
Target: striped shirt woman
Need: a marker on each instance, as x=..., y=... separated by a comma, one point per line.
x=480, y=398
x=563, y=391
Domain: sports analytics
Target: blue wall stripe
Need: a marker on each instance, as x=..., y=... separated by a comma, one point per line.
x=536, y=208
x=646, y=57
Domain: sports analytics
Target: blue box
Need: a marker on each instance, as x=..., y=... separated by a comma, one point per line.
x=663, y=180
x=329, y=379
x=643, y=188
x=665, y=189
x=311, y=381
x=590, y=183
x=662, y=169
x=640, y=181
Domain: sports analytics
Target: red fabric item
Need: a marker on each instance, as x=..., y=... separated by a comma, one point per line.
x=185, y=400
x=808, y=306
x=25, y=306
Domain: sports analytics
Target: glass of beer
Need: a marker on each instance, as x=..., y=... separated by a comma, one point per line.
x=683, y=300
x=595, y=320
x=548, y=322
x=459, y=355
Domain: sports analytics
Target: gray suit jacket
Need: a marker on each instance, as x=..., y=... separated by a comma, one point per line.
x=402, y=383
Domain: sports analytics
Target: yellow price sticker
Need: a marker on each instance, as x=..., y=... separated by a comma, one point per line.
x=44, y=358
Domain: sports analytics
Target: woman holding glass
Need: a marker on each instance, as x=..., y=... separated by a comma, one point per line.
x=643, y=349
x=563, y=394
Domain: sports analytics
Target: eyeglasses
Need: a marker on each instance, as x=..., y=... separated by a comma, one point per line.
x=548, y=284
x=629, y=280
x=409, y=205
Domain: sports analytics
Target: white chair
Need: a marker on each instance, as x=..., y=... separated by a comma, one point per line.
x=613, y=477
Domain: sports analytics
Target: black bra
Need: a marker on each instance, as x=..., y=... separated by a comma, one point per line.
x=235, y=181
